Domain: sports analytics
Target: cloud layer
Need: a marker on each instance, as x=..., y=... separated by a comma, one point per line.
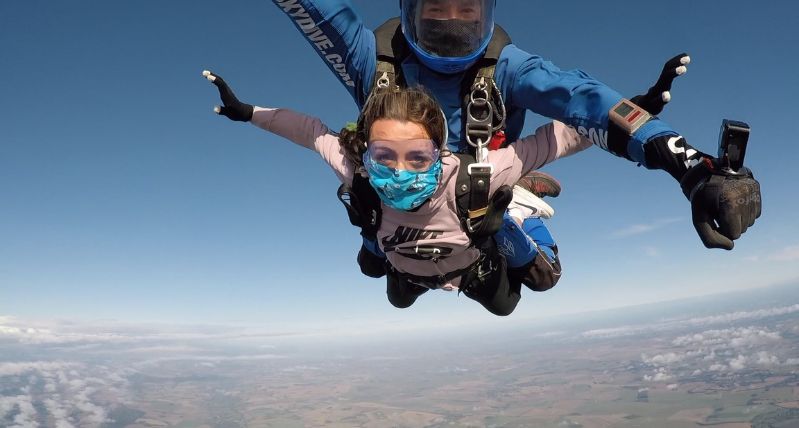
x=70, y=394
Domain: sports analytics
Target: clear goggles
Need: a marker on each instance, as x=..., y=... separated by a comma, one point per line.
x=409, y=155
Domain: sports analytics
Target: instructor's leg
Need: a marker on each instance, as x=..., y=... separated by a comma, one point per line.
x=531, y=253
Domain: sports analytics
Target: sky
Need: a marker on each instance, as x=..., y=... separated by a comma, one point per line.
x=123, y=197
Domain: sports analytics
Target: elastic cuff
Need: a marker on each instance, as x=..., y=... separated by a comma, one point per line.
x=653, y=128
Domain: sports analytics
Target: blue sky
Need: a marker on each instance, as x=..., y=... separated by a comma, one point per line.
x=123, y=197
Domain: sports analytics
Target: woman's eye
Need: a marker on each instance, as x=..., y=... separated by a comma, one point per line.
x=386, y=160
x=420, y=163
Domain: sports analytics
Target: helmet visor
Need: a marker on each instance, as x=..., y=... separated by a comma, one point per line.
x=448, y=28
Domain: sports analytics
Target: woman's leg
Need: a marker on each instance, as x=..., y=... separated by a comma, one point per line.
x=402, y=293
x=489, y=285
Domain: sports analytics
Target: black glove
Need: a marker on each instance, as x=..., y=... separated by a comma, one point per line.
x=652, y=101
x=495, y=210
x=723, y=204
x=233, y=109
x=658, y=95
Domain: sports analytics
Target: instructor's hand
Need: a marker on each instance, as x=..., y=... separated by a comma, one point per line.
x=659, y=94
x=232, y=108
x=723, y=204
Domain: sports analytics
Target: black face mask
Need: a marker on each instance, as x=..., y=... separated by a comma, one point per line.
x=451, y=38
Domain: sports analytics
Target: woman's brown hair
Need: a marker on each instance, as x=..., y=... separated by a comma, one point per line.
x=402, y=104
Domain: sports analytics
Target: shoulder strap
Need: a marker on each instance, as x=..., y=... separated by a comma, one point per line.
x=483, y=108
x=391, y=51
x=471, y=198
x=499, y=40
x=463, y=186
x=391, y=44
x=362, y=204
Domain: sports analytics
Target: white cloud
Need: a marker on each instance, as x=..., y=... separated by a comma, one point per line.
x=87, y=335
x=209, y=359
x=744, y=315
x=661, y=375
x=16, y=369
x=727, y=351
x=58, y=412
x=72, y=394
x=766, y=359
x=730, y=337
x=664, y=359
x=661, y=326
x=637, y=229
x=25, y=412
x=738, y=363
x=786, y=254
x=37, y=336
x=614, y=332
x=651, y=251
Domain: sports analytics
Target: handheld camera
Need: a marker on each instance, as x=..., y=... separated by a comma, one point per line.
x=732, y=144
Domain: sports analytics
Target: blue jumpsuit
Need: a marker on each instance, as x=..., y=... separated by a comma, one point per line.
x=526, y=81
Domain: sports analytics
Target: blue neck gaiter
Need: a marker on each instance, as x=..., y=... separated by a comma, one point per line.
x=401, y=189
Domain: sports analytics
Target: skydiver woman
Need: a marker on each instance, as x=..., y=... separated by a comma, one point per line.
x=399, y=144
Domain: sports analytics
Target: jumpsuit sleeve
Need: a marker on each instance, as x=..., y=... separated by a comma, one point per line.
x=572, y=97
x=337, y=34
x=308, y=132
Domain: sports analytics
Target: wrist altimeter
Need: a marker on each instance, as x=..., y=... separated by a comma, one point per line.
x=629, y=116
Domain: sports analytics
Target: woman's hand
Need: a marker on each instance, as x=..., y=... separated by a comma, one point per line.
x=232, y=108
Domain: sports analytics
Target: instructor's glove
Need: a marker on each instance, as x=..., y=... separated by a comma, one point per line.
x=723, y=203
x=652, y=101
x=659, y=94
x=232, y=108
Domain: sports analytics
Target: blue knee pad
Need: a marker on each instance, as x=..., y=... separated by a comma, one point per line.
x=514, y=241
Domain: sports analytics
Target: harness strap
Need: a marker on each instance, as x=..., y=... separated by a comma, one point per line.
x=363, y=205
x=436, y=281
x=479, y=184
x=481, y=97
x=391, y=50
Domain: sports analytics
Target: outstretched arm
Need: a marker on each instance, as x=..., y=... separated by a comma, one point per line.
x=576, y=99
x=556, y=141
x=724, y=204
x=337, y=34
x=301, y=129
